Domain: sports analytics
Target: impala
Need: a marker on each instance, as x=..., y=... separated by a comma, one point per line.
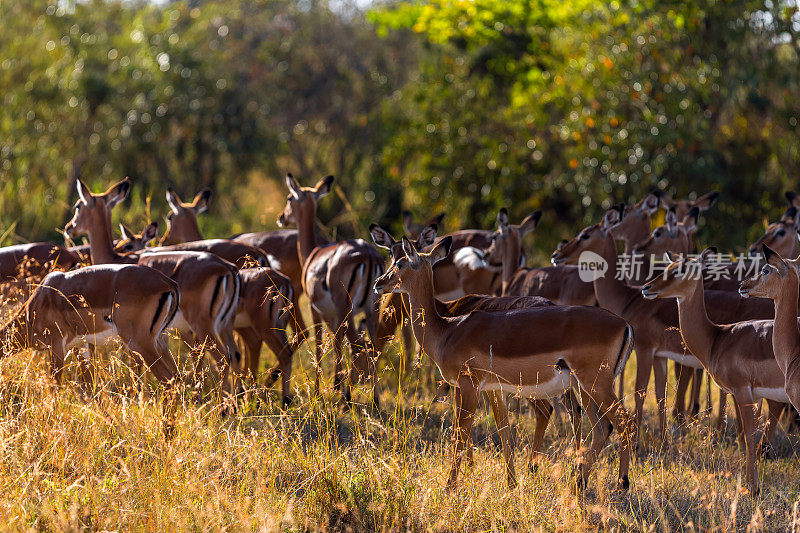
x=778, y=280
x=96, y=304
x=265, y=305
x=533, y=351
x=781, y=236
x=464, y=306
x=336, y=279
x=209, y=285
x=738, y=356
x=682, y=207
x=560, y=284
x=23, y=263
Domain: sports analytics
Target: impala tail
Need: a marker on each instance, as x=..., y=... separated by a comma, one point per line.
x=625, y=350
x=225, y=300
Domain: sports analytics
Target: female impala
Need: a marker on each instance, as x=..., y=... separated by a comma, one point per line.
x=337, y=280
x=738, y=356
x=95, y=304
x=388, y=323
x=209, y=286
x=540, y=352
x=778, y=280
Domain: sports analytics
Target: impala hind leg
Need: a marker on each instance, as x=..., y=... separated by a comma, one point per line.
x=694, y=399
x=660, y=374
x=644, y=367
x=746, y=408
x=500, y=410
x=684, y=374
x=542, y=410
x=465, y=401
x=251, y=343
x=284, y=351
x=609, y=408
x=774, y=418
x=723, y=404
x=318, y=335
x=574, y=407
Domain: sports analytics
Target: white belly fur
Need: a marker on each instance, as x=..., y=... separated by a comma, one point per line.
x=99, y=338
x=686, y=359
x=552, y=388
x=777, y=395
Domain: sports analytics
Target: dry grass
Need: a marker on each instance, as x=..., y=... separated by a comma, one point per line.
x=73, y=459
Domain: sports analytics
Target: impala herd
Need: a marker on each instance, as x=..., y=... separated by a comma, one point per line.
x=489, y=323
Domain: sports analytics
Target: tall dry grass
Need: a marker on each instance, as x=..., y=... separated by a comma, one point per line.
x=94, y=458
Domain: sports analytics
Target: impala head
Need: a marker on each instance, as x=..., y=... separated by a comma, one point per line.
x=671, y=237
x=413, y=228
x=132, y=242
x=384, y=240
x=413, y=269
x=681, y=278
x=591, y=238
x=769, y=283
x=182, y=217
x=506, y=247
x=634, y=226
x=95, y=209
x=682, y=207
x=302, y=201
x=782, y=236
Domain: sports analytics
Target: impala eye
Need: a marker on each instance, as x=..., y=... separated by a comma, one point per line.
x=765, y=270
x=584, y=236
x=657, y=233
x=780, y=233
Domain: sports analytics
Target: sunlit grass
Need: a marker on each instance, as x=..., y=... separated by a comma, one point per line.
x=77, y=458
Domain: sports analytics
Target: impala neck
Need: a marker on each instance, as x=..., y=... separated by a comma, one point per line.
x=428, y=324
x=101, y=244
x=510, y=267
x=306, y=241
x=786, y=334
x=610, y=292
x=697, y=330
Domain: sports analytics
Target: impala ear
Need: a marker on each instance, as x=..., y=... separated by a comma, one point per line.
x=441, y=250
x=410, y=251
x=84, y=193
x=672, y=221
x=610, y=218
x=708, y=255
x=381, y=237
x=126, y=233
x=705, y=202
x=793, y=198
x=174, y=201
x=690, y=220
x=202, y=200
x=772, y=258
x=790, y=215
x=651, y=202
x=150, y=232
x=427, y=236
x=502, y=219
x=323, y=186
x=530, y=222
x=117, y=193
x=438, y=219
x=294, y=188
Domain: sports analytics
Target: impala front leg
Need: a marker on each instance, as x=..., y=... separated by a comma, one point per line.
x=465, y=400
x=543, y=410
x=747, y=412
x=500, y=411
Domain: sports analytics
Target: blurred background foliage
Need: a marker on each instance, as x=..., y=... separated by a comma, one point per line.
x=454, y=105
